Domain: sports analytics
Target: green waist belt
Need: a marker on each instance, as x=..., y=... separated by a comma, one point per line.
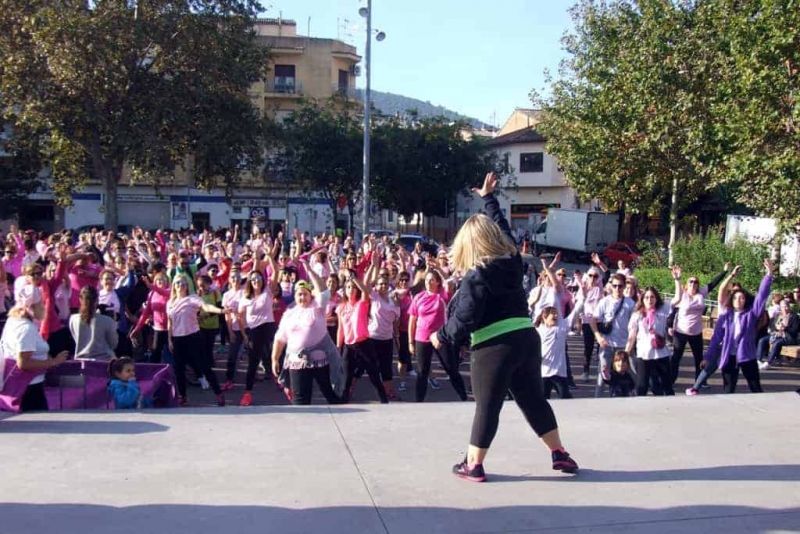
x=500, y=328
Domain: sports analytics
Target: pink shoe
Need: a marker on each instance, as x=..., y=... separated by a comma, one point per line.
x=691, y=392
x=227, y=386
x=247, y=399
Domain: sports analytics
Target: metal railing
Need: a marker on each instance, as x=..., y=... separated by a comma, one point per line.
x=284, y=86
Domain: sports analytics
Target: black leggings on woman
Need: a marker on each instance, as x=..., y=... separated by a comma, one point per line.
x=730, y=375
x=261, y=338
x=448, y=357
x=511, y=361
x=589, y=343
x=160, y=340
x=679, y=346
x=361, y=357
x=646, y=369
x=302, y=381
x=187, y=350
x=234, y=347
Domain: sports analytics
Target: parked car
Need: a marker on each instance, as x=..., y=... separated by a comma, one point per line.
x=621, y=250
x=409, y=241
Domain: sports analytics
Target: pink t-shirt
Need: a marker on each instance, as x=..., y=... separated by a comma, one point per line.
x=231, y=300
x=257, y=310
x=303, y=327
x=590, y=301
x=429, y=309
x=689, y=320
x=183, y=313
x=80, y=277
x=405, y=304
x=354, y=319
x=382, y=315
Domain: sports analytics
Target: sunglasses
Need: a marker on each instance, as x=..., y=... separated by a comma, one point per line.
x=257, y=279
x=37, y=274
x=181, y=283
x=693, y=282
x=561, y=275
x=592, y=276
x=617, y=285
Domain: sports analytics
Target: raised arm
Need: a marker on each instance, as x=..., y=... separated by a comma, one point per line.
x=319, y=283
x=676, y=275
x=762, y=296
x=717, y=279
x=722, y=294
x=491, y=205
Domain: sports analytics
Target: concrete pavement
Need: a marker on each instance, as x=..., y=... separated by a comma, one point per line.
x=657, y=465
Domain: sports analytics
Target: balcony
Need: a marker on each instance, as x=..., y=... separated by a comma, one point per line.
x=350, y=93
x=283, y=87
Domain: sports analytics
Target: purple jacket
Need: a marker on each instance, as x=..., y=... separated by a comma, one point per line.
x=723, y=340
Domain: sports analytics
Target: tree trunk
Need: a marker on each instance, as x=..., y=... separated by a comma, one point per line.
x=673, y=221
x=110, y=186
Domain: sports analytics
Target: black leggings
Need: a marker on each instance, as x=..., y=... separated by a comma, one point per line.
x=661, y=368
x=559, y=383
x=383, y=353
x=589, y=342
x=448, y=357
x=160, y=340
x=361, y=357
x=34, y=399
x=303, y=379
x=730, y=375
x=261, y=338
x=188, y=349
x=511, y=361
x=679, y=345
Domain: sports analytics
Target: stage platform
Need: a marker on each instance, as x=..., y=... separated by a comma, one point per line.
x=711, y=463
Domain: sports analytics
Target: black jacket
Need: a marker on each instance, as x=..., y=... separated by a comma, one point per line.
x=487, y=294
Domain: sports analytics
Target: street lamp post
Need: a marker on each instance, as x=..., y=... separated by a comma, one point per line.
x=366, y=12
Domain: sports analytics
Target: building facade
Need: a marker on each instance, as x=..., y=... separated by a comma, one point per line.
x=300, y=67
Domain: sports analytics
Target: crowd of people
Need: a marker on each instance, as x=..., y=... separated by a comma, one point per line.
x=327, y=310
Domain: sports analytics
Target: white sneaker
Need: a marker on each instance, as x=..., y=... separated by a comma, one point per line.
x=203, y=382
x=402, y=387
x=572, y=333
x=763, y=365
x=412, y=372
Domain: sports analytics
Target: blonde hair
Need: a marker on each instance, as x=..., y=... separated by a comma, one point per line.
x=479, y=241
x=175, y=290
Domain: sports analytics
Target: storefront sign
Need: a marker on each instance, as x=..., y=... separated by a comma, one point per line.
x=258, y=213
x=258, y=203
x=142, y=198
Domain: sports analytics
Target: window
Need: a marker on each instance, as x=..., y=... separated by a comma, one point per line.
x=284, y=79
x=344, y=81
x=531, y=162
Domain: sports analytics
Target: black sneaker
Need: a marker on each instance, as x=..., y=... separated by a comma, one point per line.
x=475, y=474
x=562, y=462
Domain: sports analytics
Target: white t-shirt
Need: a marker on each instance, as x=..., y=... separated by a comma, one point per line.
x=21, y=335
x=382, y=316
x=604, y=312
x=644, y=332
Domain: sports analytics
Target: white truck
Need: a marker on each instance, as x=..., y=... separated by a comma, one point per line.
x=576, y=233
x=762, y=230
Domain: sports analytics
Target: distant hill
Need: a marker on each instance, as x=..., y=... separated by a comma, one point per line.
x=391, y=104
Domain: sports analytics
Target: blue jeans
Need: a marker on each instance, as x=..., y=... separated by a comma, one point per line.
x=777, y=345
x=762, y=347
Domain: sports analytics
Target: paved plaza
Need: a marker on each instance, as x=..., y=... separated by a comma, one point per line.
x=706, y=464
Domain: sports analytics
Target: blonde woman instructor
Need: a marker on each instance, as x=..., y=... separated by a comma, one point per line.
x=506, y=350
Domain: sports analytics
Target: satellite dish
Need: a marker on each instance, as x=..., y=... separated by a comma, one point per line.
x=363, y=11
x=380, y=37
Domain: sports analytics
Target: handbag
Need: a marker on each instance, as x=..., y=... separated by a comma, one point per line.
x=657, y=341
x=606, y=326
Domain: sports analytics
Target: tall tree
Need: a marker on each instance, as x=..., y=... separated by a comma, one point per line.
x=629, y=117
x=423, y=166
x=144, y=86
x=319, y=150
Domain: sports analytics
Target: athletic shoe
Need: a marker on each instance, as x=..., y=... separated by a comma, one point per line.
x=392, y=396
x=562, y=462
x=572, y=333
x=585, y=377
x=220, y=400
x=402, y=387
x=763, y=365
x=434, y=383
x=474, y=474
x=247, y=399
x=183, y=401
x=204, y=382
x=691, y=392
x=412, y=372
x=227, y=386
x=704, y=386
x=571, y=384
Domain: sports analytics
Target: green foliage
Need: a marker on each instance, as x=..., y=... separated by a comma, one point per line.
x=143, y=86
x=19, y=174
x=705, y=93
x=420, y=168
x=705, y=257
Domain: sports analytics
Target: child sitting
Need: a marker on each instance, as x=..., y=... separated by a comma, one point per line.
x=620, y=382
x=123, y=387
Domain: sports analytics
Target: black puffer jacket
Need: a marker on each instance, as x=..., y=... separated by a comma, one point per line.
x=487, y=294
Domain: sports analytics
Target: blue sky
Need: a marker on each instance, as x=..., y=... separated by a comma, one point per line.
x=477, y=58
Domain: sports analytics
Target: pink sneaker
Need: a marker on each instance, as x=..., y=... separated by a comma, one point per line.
x=691, y=392
x=227, y=386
